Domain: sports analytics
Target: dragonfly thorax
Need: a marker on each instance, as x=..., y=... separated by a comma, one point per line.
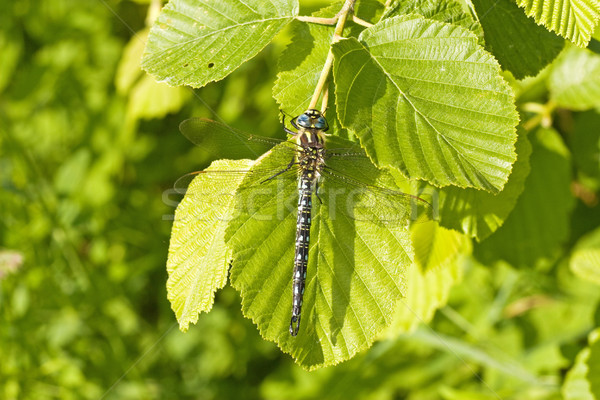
x=310, y=139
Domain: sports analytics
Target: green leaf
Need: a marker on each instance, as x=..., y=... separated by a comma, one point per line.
x=593, y=375
x=585, y=260
x=436, y=246
x=478, y=213
x=300, y=66
x=539, y=223
x=585, y=144
x=151, y=99
x=520, y=45
x=355, y=269
x=572, y=19
x=448, y=11
x=301, y=63
x=575, y=80
x=583, y=379
x=198, y=257
x=424, y=98
x=437, y=268
x=12, y=48
x=195, y=42
x=129, y=70
x=147, y=98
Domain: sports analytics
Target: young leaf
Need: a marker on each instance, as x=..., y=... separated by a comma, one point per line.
x=575, y=80
x=582, y=381
x=520, y=45
x=478, y=213
x=301, y=63
x=539, y=223
x=198, y=257
x=448, y=11
x=147, y=98
x=425, y=98
x=300, y=66
x=437, y=268
x=585, y=260
x=195, y=42
x=355, y=267
x=572, y=19
x=594, y=363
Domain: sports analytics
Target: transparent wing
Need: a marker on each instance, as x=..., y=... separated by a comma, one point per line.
x=362, y=201
x=269, y=179
x=215, y=138
x=364, y=188
x=355, y=193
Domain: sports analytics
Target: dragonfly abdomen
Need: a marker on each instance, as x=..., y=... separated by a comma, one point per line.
x=305, y=188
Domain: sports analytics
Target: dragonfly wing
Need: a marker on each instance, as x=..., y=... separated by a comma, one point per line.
x=213, y=137
x=369, y=202
x=257, y=184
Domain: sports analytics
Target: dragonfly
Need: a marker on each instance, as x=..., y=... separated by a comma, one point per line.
x=305, y=158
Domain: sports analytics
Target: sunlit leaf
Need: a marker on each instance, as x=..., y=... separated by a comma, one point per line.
x=539, y=223
x=302, y=62
x=594, y=363
x=300, y=66
x=425, y=98
x=585, y=260
x=129, y=69
x=575, y=80
x=436, y=269
x=583, y=379
x=195, y=42
x=151, y=99
x=198, y=257
x=449, y=11
x=520, y=45
x=355, y=272
x=147, y=98
x=572, y=19
x=478, y=213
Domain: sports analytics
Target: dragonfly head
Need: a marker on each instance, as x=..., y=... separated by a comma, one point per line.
x=312, y=119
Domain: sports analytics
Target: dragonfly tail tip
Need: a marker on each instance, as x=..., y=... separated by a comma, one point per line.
x=294, y=325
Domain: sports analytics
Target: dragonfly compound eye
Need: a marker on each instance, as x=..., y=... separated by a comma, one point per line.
x=321, y=123
x=303, y=120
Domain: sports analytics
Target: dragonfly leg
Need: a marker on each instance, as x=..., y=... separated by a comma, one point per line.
x=317, y=192
x=289, y=131
x=289, y=166
x=293, y=122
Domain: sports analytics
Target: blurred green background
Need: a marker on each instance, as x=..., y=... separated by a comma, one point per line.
x=89, y=149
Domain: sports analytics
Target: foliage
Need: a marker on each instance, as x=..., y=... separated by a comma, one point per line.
x=89, y=151
x=573, y=19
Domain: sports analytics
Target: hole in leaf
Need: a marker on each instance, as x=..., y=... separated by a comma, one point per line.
x=210, y=65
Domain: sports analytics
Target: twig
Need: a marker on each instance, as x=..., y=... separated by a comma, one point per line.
x=337, y=34
x=325, y=99
x=362, y=22
x=543, y=114
x=318, y=20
